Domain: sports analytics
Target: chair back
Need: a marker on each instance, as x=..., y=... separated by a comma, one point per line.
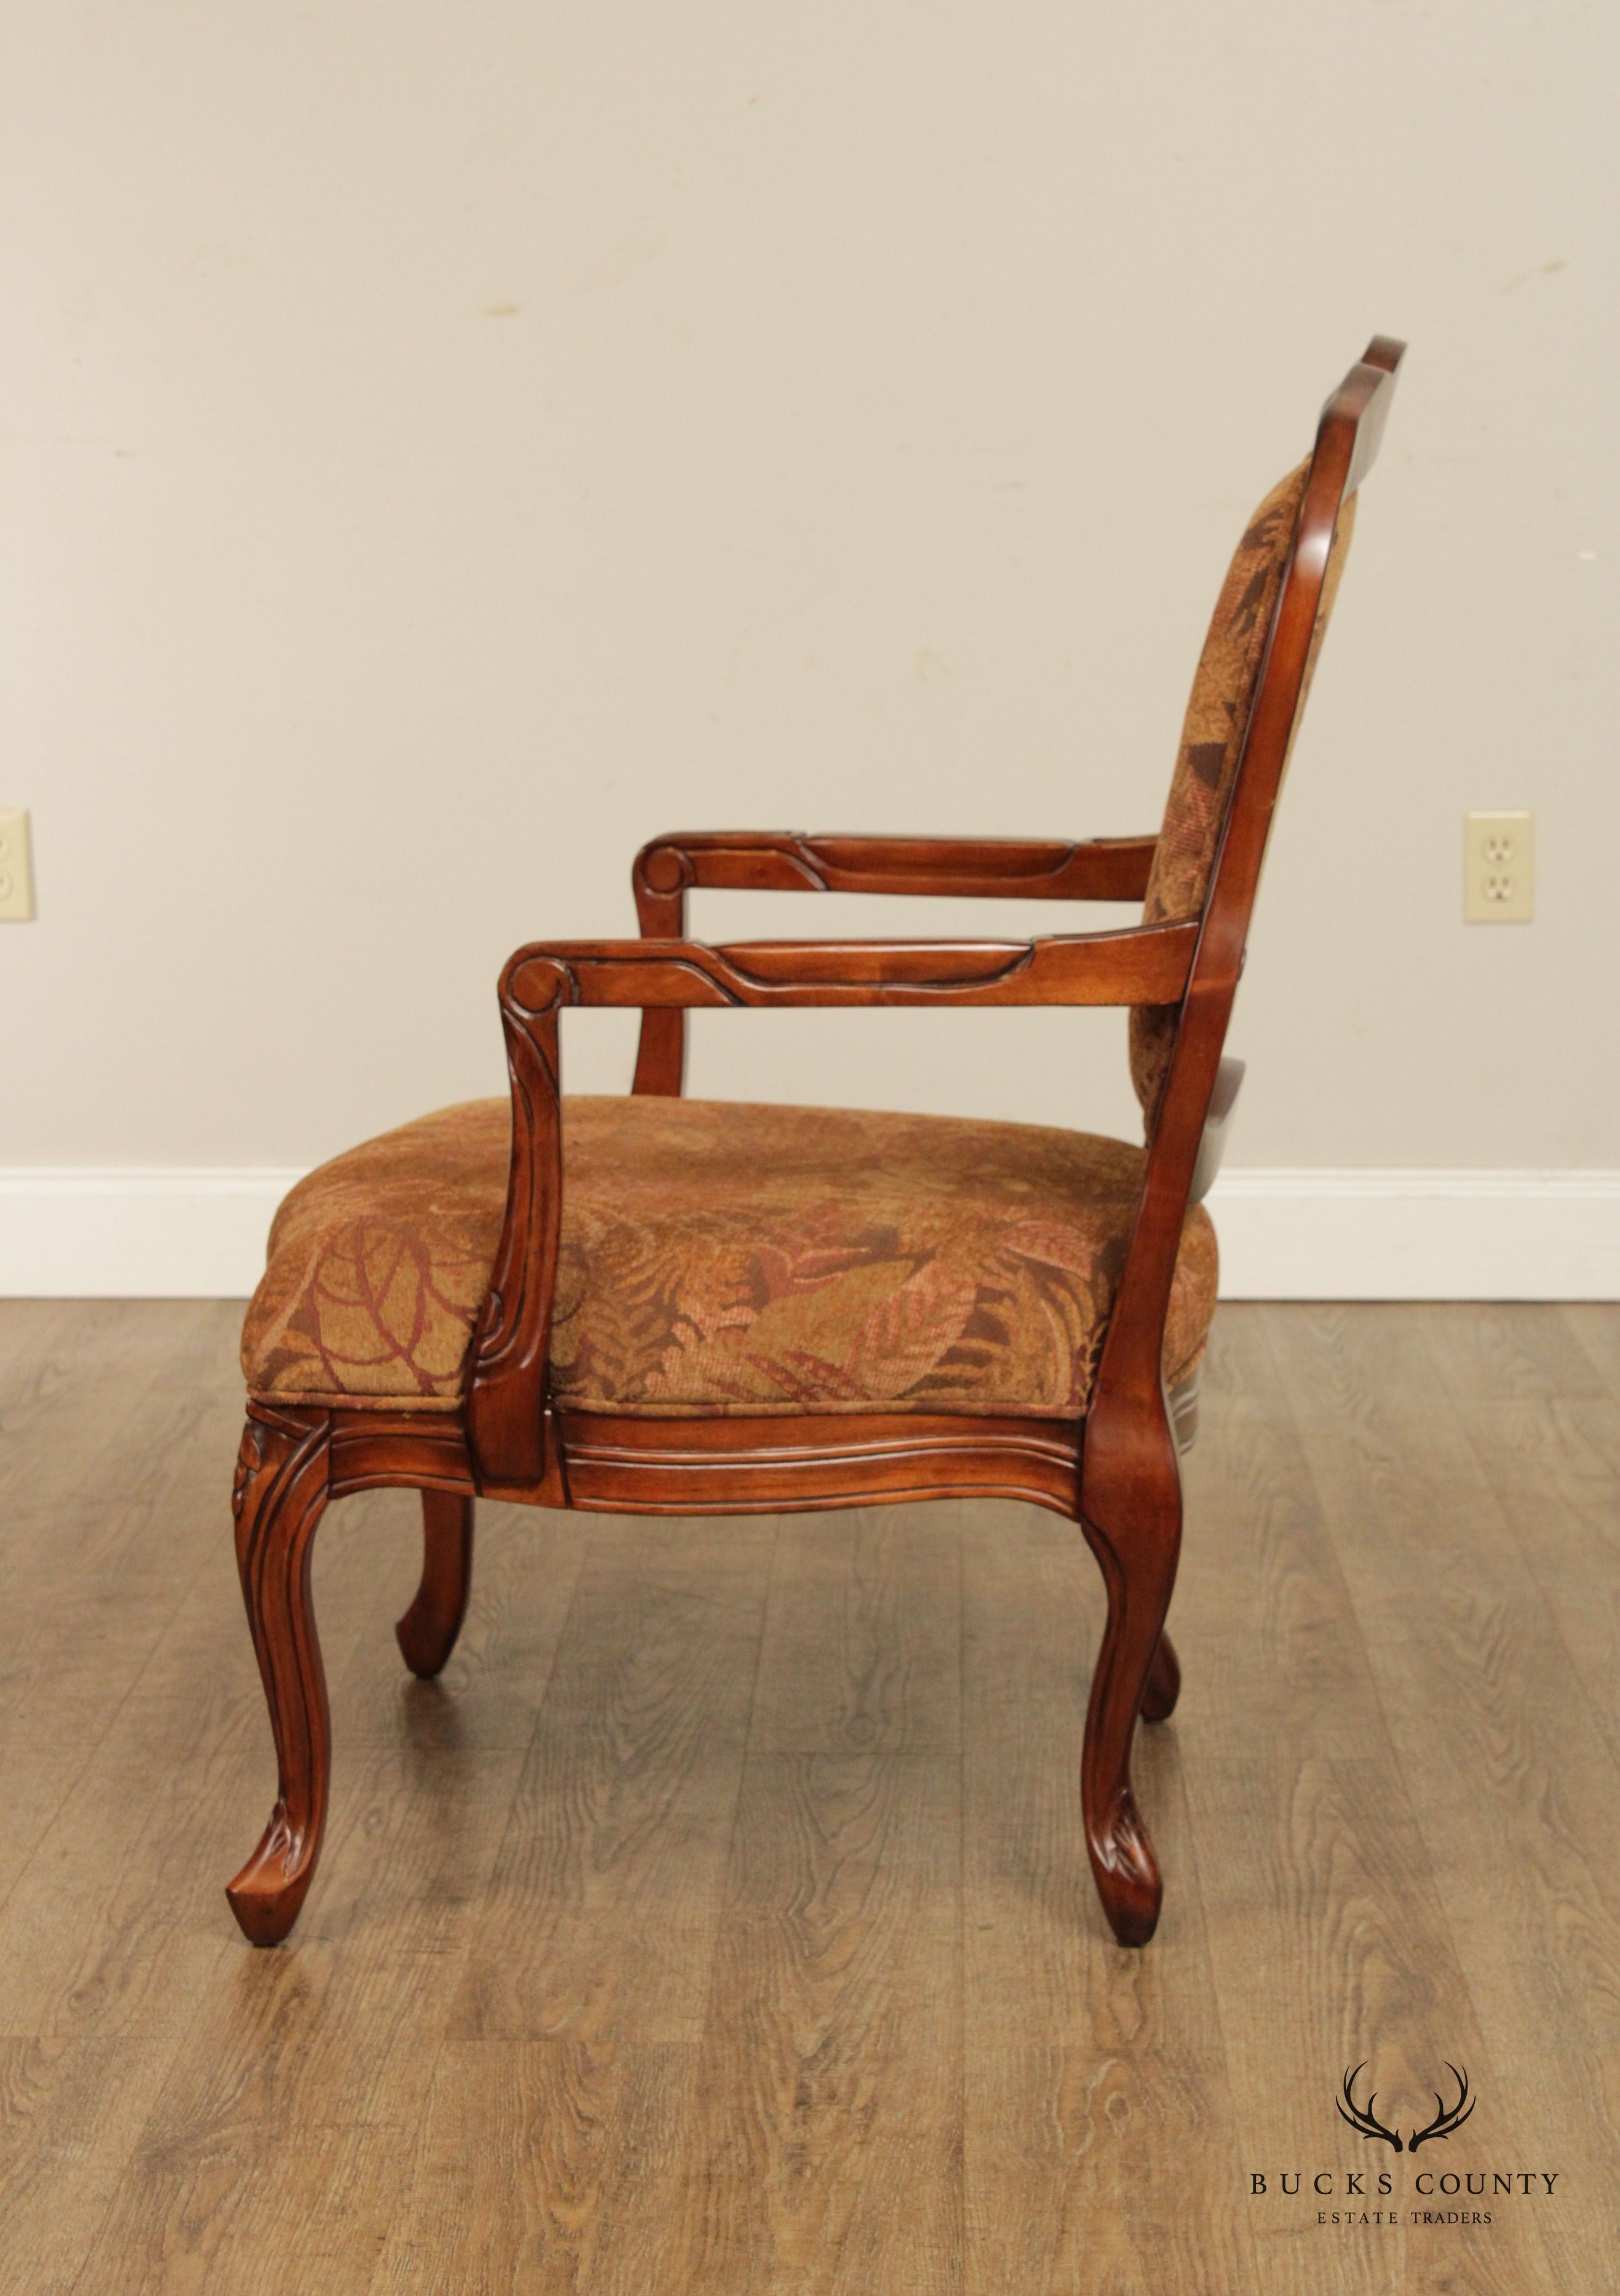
x=1218, y=713
x=1246, y=699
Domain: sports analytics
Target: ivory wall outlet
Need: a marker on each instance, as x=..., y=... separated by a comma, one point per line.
x=1498, y=868
x=16, y=870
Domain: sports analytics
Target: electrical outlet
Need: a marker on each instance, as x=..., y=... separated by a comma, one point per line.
x=16, y=870
x=1498, y=868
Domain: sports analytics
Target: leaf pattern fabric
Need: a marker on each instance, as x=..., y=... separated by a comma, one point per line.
x=721, y=1256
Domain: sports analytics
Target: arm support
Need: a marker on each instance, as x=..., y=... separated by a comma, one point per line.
x=1041, y=869
x=506, y=1403
x=1140, y=965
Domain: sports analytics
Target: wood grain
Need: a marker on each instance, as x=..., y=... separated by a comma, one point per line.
x=312, y=2077
x=1339, y=1887
x=84, y=1610
x=1553, y=1465
x=1593, y=1328
x=70, y=2114
x=492, y=1691
x=1097, y=2117
x=862, y=1651
x=821, y=2150
x=722, y=1918
x=603, y=1906
x=1509, y=1771
x=533, y=2168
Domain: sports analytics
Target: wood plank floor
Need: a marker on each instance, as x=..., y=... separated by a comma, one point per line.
x=721, y=1921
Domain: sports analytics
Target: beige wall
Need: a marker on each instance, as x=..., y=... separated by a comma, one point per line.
x=443, y=445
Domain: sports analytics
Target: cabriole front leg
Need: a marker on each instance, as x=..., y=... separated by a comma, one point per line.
x=282, y=1484
x=1139, y=1572
x=1131, y=1512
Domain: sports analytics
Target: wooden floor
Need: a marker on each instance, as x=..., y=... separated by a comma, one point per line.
x=722, y=1921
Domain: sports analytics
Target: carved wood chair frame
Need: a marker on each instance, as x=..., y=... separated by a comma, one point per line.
x=1115, y=1473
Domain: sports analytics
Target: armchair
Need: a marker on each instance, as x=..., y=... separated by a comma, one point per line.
x=678, y=1308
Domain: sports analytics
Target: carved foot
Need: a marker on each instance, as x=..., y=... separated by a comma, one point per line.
x=268, y=1894
x=279, y=1496
x=1164, y=1682
x=428, y=1631
x=1126, y=1871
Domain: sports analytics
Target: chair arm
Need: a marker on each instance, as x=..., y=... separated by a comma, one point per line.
x=507, y=1420
x=1041, y=869
x=1139, y=964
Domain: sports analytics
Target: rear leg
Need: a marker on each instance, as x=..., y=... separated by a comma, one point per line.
x=1164, y=1682
x=427, y=1632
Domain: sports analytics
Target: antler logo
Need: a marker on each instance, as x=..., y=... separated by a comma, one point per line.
x=1351, y=2111
x=1446, y=2119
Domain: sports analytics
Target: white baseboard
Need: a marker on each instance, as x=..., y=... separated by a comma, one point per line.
x=177, y=1232
x=1292, y=1233
x=198, y=1233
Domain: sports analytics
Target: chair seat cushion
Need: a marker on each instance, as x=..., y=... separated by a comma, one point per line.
x=723, y=1257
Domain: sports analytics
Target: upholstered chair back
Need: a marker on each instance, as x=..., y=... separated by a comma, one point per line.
x=1212, y=739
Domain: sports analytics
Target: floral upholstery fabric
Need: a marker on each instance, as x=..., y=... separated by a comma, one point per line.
x=1212, y=739
x=725, y=1257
